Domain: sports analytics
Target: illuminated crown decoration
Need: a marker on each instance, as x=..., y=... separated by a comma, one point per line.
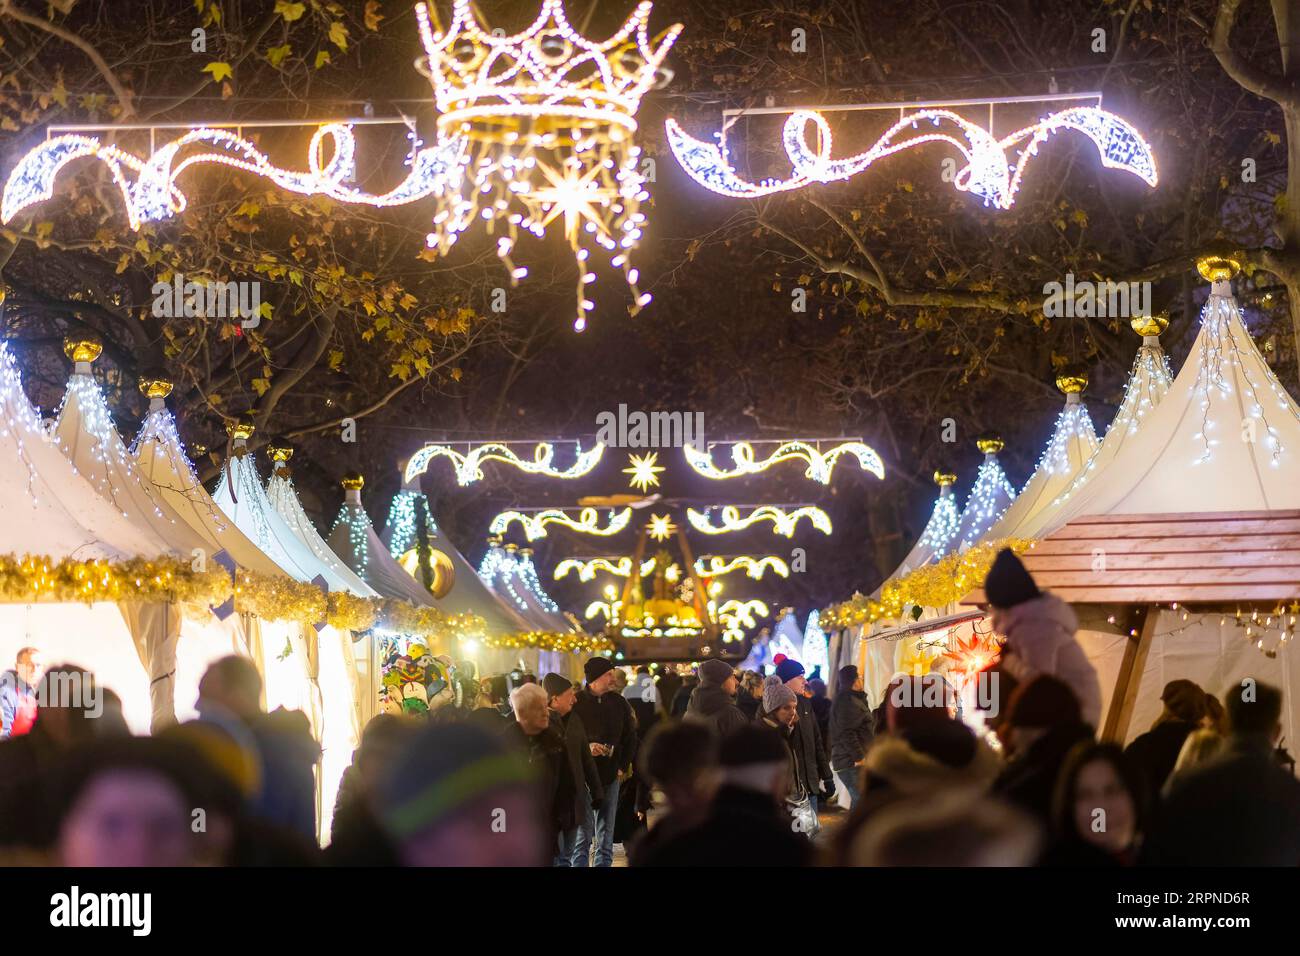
x=988, y=172
x=533, y=127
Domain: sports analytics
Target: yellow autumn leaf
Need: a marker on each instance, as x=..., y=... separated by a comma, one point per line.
x=290, y=11
x=260, y=385
x=339, y=35
x=275, y=56
x=372, y=15
x=219, y=70
x=322, y=58
x=336, y=359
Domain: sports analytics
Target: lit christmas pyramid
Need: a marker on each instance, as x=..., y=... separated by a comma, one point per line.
x=989, y=498
x=86, y=434
x=284, y=499
x=509, y=571
x=1225, y=438
x=241, y=497
x=46, y=500
x=1073, y=443
x=1148, y=383
x=354, y=540
x=161, y=458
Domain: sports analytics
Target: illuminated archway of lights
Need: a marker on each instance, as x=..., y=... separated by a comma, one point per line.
x=783, y=522
x=469, y=466
x=711, y=567
x=643, y=471
x=532, y=127
x=820, y=464
x=587, y=522
x=661, y=527
x=988, y=172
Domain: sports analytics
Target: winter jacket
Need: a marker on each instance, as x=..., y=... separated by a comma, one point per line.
x=748, y=704
x=581, y=764
x=1029, y=778
x=1156, y=751
x=807, y=737
x=549, y=760
x=852, y=729
x=744, y=828
x=714, y=708
x=608, y=719
x=682, y=699
x=1041, y=639
x=666, y=688
x=1238, y=809
x=17, y=705
x=289, y=755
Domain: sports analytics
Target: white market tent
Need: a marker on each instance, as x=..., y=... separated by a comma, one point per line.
x=1197, y=516
x=989, y=498
x=49, y=503
x=1072, y=445
x=510, y=573
x=354, y=540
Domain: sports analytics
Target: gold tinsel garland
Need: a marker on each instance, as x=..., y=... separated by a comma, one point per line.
x=932, y=585
x=567, y=643
x=33, y=578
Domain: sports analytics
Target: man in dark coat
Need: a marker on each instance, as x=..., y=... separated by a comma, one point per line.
x=1043, y=724
x=813, y=763
x=544, y=747
x=1240, y=808
x=745, y=825
x=561, y=696
x=852, y=729
x=682, y=699
x=713, y=703
x=667, y=685
x=1156, y=751
x=611, y=730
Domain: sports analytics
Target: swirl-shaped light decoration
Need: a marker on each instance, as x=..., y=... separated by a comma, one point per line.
x=988, y=172
x=783, y=522
x=587, y=522
x=469, y=466
x=820, y=464
x=710, y=567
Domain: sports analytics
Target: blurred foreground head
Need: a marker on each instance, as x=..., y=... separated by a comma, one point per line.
x=948, y=829
x=458, y=795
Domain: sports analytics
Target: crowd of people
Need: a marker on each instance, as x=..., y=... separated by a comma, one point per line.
x=711, y=767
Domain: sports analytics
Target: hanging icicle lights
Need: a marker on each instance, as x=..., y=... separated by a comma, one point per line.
x=469, y=464
x=988, y=173
x=783, y=522
x=989, y=496
x=820, y=464
x=533, y=127
x=515, y=570
x=945, y=518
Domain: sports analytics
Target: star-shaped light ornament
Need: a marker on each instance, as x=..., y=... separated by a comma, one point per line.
x=644, y=471
x=661, y=527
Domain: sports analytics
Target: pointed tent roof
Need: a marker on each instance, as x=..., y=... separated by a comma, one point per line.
x=354, y=540
x=1073, y=443
x=1195, y=453
x=468, y=593
x=1148, y=383
x=49, y=508
x=989, y=497
x=86, y=434
x=240, y=495
x=510, y=573
x=161, y=458
x=940, y=532
x=282, y=494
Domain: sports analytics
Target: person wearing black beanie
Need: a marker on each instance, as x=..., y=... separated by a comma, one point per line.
x=561, y=696
x=1039, y=629
x=611, y=732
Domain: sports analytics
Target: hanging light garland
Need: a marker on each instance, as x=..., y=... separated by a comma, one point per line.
x=469, y=466
x=989, y=497
x=820, y=464
x=783, y=522
x=587, y=522
x=987, y=173
x=944, y=519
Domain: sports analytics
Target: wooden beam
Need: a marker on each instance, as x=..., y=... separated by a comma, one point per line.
x=1120, y=712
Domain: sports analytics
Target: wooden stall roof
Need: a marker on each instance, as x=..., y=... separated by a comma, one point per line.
x=1205, y=557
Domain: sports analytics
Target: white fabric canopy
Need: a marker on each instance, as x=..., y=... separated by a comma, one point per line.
x=354, y=540
x=938, y=537
x=988, y=500
x=1148, y=383
x=513, y=578
x=1073, y=443
x=284, y=498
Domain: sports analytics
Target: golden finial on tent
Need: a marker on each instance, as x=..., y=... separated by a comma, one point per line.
x=241, y=428
x=943, y=478
x=155, y=386
x=1222, y=263
x=353, y=481
x=280, y=454
x=990, y=444
x=1071, y=382
x=82, y=347
x=1150, y=326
